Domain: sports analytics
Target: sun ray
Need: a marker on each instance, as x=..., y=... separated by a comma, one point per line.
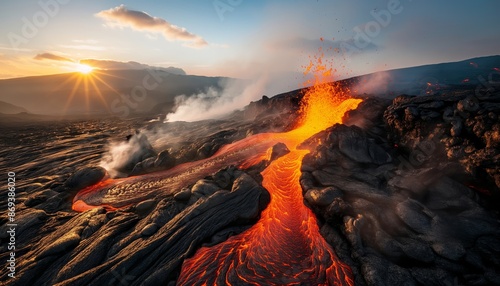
x=99, y=93
x=109, y=74
x=70, y=97
x=92, y=83
x=88, y=85
x=86, y=90
x=105, y=83
x=73, y=77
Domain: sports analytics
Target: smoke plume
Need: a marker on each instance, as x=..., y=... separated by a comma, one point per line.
x=376, y=83
x=121, y=157
x=215, y=104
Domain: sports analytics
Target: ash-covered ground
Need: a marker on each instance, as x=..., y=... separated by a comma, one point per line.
x=406, y=192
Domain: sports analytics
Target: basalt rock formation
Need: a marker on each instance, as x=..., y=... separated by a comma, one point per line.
x=405, y=209
x=144, y=244
x=466, y=126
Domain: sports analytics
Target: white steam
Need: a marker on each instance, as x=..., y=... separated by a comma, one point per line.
x=122, y=156
x=376, y=83
x=214, y=104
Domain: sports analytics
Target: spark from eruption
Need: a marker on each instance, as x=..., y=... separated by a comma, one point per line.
x=432, y=88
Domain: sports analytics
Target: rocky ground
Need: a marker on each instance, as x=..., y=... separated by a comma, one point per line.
x=418, y=207
x=53, y=161
x=406, y=192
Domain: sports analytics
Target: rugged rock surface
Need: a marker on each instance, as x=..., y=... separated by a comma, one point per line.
x=401, y=210
x=85, y=177
x=466, y=127
x=143, y=244
x=405, y=192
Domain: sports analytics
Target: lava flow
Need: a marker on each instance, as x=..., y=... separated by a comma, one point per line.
x=284, y=247
x=117, y=193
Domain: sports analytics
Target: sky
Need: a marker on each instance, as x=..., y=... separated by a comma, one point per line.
x=243, y=38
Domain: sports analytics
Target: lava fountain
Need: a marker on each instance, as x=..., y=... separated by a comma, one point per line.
x=284, y=247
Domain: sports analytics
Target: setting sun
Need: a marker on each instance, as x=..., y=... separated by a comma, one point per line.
x=84, y=69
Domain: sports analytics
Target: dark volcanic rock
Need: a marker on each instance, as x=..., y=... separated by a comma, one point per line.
x=406, y=211
x=149, y=229
x=354, y=144
x=413, y=215
x=183, y=195
x=466, y=131
x=85, y=177
x=142, y=248
x=145, y=206
x=449, y=249
x=164, y=160
x=279, y=150
x=143, y=167
x=63, y=244
x=322, y=197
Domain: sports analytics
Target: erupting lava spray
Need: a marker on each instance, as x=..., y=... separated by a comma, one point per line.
x=284, y=247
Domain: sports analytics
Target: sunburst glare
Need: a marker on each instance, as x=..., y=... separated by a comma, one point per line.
x=84, y=69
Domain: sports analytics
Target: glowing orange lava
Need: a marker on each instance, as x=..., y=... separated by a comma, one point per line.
x=284, y=247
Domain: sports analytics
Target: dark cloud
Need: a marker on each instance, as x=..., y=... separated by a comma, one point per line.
x=141, y=21
x=49, y=56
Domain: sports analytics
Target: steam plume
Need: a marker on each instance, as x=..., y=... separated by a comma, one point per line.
x=214, y=104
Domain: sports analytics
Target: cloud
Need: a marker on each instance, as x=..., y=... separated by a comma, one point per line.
x=88, y=41
x=49, y=56
x=122, y=17
x=131, y=65
x=3, y=47
x=84, y=47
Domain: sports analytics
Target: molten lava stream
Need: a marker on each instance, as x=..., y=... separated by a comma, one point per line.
x=284, y=247
x=113, y=194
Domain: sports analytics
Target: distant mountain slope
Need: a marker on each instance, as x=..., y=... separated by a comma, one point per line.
x=112, y=92
x=483, y=71
x=7, y=108
x=131, y=65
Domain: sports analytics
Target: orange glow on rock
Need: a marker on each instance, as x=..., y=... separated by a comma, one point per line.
x=284, y=247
